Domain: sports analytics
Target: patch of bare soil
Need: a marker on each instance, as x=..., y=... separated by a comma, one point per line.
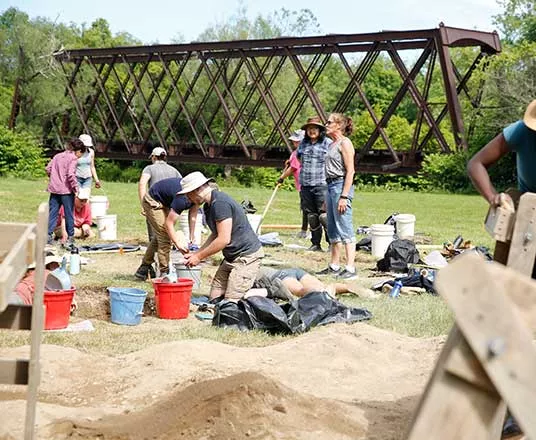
x=336, y=382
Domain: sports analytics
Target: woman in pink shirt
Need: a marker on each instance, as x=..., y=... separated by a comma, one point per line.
x=293, y=166
x=62, y=187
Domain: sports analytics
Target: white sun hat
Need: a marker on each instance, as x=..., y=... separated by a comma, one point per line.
x=192, y=181
x=158, y=151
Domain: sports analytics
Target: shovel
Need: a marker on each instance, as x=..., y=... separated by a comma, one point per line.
x=267, y=207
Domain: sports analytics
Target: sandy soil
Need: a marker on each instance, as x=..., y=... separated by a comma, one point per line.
x=338, y=382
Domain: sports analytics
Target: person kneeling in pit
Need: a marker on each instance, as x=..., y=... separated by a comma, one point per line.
x=231, y=233
x=82, y=218
x=287, y=283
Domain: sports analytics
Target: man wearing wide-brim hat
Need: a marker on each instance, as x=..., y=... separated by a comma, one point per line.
x=312, y=154
x=231, y=233
x=519, y=138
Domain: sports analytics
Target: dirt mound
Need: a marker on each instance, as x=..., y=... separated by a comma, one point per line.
x=238, y=406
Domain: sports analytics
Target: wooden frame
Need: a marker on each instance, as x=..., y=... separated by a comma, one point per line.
x=23, y=244
x=488, y=361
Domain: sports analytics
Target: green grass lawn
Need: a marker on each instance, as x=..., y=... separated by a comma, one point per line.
x=440, y=217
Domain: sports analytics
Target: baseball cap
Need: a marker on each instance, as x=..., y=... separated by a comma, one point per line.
x=86, y=140
x=158, y=151
x=297, y=135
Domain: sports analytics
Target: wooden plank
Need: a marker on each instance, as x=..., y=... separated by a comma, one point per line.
x=16, y=317
x=495, y=328
x=38, y=316
x=523, y=245
x=14, y=372
x=474, y=412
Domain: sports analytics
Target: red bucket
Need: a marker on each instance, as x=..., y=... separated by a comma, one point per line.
x=173, y=299
x=57, y=308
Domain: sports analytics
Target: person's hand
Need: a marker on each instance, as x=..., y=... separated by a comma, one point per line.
x=142, y=212
x=97, y=184
x=342, y=205
x=191, y=259
x=181, y=249
x=505, y=201
x=64, y=238
x=280, y=181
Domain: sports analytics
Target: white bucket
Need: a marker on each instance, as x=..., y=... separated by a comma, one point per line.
x=254, y=221
x=382, y=236
x=107, y=227
x=99, y=206
x=405, y=225
x=185, y=228
x=193, y=273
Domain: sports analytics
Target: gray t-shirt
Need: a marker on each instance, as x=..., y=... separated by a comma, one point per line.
x=243, y=240
x=160, y=170
x=334, y=161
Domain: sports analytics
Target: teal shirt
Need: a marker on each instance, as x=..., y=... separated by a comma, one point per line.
x=522, y=140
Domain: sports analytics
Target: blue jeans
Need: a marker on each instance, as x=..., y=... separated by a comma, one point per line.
x=340, y=226
x=84, y=182
x=54, y=203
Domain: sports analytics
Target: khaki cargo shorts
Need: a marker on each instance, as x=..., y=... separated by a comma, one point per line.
x=233, y=280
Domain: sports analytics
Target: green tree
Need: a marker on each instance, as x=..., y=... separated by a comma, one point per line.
x=518, y=21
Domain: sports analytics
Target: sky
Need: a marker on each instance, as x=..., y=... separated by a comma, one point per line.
x=159, y=21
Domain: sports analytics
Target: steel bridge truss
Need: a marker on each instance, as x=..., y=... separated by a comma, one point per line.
x=236, y=102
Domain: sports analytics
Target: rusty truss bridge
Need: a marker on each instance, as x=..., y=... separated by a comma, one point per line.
x=236, y=102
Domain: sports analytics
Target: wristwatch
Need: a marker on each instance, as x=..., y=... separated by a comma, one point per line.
x=343, y=197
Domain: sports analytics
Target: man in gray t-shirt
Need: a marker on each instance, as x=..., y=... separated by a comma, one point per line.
x=231, y=233
x=157, y=171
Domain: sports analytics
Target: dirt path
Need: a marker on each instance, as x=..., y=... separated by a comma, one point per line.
x=338, y=382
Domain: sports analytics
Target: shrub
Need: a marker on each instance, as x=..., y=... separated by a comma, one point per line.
x=108, y=170
x=20, y=155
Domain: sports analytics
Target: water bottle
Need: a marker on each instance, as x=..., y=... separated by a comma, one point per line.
x=74, y=262
x=395, y=291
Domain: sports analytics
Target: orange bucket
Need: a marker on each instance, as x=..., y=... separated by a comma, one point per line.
x=57, y=308
x=173, y=299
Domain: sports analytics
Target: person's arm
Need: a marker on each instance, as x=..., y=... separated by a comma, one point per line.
x=286, y=173
x=93, y=169
x=220, y=241
x=192, y=219
x=477, y=168
x=175, y=238
x=71, y=176
x=348, y=153
x=142, y=187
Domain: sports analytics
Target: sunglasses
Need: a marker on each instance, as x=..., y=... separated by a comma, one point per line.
x=328, y=122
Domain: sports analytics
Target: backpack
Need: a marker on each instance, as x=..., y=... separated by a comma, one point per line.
x=398, y=256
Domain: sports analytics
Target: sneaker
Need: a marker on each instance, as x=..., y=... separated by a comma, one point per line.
x=315, y=248
x=144, y=271
x=51, y=241
x=69, y=244
x=347, y=275
x=329, y=271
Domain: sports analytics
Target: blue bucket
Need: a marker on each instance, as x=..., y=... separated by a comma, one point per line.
x=126, y=305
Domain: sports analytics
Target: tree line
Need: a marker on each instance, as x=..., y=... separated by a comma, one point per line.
x=32, y=87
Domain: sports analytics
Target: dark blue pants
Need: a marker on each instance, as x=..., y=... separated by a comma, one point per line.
x=54, y=203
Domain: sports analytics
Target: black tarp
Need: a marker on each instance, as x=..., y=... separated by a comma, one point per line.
x=315, y=308
x=400, y=254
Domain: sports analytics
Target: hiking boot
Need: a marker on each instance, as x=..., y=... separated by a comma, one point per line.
x=315, y=248
x=329, y=271
x=145, y=271
x=347, y=275
x=275, y=288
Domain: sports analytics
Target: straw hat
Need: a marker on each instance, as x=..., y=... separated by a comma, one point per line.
x=530, y=116
x=314, y=121
x=193, y=181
